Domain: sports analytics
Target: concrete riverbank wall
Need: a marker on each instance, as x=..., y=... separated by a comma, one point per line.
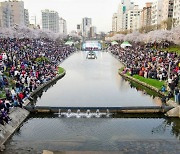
x=174, y=112
x=142, y=83
x=19, y=115
x=44, y=85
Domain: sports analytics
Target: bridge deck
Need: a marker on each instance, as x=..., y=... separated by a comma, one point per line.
x=136, y=109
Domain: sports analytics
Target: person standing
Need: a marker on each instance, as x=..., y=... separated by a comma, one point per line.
x=178, y=97
x=176, y=93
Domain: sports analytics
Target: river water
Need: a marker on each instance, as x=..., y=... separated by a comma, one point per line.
x=95, y=83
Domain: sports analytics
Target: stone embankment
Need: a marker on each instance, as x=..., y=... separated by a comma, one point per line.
x=142, y=83
x=19, y=115
x=175, y=112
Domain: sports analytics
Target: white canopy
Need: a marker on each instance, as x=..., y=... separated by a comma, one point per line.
x=125, y=44
x=114, y=43
x=69, y=43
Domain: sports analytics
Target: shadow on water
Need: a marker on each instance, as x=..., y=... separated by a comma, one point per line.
x=39, y=94
x=132, y=84
x=147, y=91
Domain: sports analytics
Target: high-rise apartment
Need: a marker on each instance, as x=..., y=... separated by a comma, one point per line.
x=122, y=20
x=114, y=22
x=5, y=15
x=167, y=14
x=133, y=18
x=17, y=8
x=93, y=32
x=12, y=12
x=26, y=17
x=86, y=24
x=167, y=9
x=50, y=20
x=146, y=15
x=156, y=13
x=176, y=13
x=79, y=30
x=62, y=26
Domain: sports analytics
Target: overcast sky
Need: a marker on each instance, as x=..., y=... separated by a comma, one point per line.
x=73, y=11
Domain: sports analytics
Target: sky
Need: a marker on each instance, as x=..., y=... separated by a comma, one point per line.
x=73, y=11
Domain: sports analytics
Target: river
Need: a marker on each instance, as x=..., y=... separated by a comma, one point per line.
x=95, y=83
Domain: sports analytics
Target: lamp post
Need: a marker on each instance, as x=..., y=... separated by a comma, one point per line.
x=169, y=70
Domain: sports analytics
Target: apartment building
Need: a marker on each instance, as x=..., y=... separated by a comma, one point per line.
x=114, y=22
x=146, y=15
x=176, y=13
x=50, y=20
x=133, y=19
x=156, y=12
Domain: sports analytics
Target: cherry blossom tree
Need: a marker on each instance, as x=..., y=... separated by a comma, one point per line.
x=25, y=32
x=175, y=37
x=153, y=36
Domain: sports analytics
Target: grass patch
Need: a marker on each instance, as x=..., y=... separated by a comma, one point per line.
x=175, y=49
x=153, y=82
x=121, y=69
x=2, y=94
x=60, y=70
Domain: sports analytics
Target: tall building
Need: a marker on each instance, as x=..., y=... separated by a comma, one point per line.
x=167, y=14
x=156, y=12
x=62, y=26
x=93, y=32
x=122, y=20
x=86, y=24
x=146, y=15
x=79, y=30
x=26, y=17
x=5, y=15
x=13, y=13
x=176, y=13
x=17, y=8
x=50, y=20
x=133, y=19
x=167, y=9
x=114, y=22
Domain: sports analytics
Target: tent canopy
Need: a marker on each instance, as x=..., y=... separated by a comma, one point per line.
x=69, y=43
x=114, y=43
x=125, y=44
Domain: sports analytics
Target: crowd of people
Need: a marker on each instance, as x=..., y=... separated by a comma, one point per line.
x=25, y=64
x=149, y=62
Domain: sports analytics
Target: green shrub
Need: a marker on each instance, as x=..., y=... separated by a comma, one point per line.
x=42, y=59
x=60, y=70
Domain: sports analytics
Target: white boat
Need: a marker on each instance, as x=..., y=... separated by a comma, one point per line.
x=91, y=55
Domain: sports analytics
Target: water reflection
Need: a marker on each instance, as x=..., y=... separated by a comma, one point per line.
x=53, y=133
x=168, y=124
x=161, y=123
x=93, y=83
